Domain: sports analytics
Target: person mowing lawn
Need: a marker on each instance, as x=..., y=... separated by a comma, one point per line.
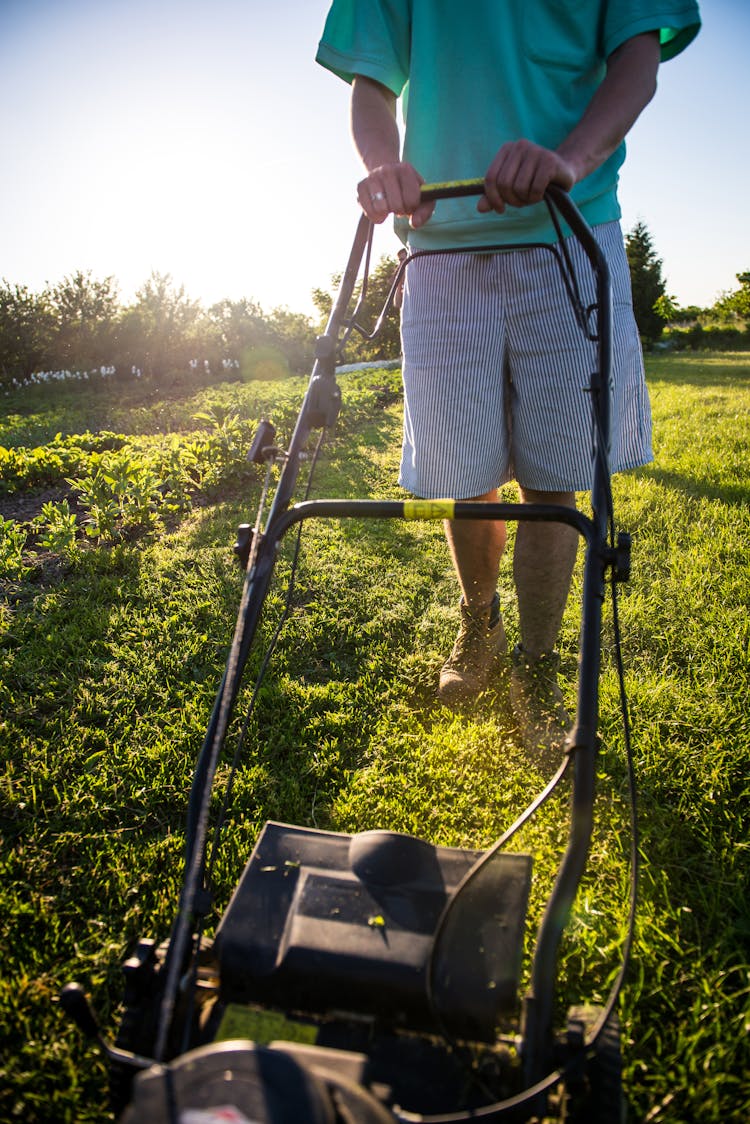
x=495, y=369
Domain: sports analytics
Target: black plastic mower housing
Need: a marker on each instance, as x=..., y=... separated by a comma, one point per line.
x=323, y=922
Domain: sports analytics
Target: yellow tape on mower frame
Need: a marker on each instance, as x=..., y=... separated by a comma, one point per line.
x=429, y=509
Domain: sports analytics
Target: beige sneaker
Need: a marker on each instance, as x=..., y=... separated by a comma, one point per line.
x=537, y=703
x=477, y=654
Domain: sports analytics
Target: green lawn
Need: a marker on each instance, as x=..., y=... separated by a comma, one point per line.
x=111, y=655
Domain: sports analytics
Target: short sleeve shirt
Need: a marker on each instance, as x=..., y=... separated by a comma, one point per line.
x=473, y=76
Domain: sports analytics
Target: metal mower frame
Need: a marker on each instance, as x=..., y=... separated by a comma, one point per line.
x=393, y=959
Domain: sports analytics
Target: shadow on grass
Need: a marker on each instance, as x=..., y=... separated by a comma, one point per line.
x=722, y=371
x=734, y=494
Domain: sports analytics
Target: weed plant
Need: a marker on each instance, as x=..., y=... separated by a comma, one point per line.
x=111, y=657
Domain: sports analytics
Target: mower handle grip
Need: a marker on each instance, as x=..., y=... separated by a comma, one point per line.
x=557, y=199
x=456, y=189
x=555, y=195
x=452, y=189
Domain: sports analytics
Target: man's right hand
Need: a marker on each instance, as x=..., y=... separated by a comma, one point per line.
x=391, y=186
x=394, y=189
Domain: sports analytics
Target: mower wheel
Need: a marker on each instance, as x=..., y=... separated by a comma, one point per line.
x=596, y=1096
x=607, y=1098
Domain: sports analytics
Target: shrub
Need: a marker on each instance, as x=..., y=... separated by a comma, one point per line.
x=122, y=494
x=12, y=543
x=58, y=528
x=713, y=338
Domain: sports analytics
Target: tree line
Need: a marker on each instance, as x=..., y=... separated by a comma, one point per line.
x=80, y=324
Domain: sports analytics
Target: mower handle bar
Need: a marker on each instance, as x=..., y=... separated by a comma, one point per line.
x=560, y=206
x=557, y=200
x=319, y=409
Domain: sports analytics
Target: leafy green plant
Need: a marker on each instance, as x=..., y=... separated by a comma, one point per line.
x=47, y=464
x=225, y=446
x=22, y=467
x=179, y=474
x=122, y=494
x=12, y=544
x=58, y=528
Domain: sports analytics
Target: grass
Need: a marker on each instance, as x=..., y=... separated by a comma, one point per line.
x=110, y=662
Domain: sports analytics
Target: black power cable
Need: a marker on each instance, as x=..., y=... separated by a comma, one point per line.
x=267, y=655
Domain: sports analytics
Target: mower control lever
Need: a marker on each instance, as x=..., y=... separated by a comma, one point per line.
x=621, y=559
x=75, y=1004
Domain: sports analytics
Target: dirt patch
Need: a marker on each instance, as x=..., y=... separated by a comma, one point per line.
x=25, y=506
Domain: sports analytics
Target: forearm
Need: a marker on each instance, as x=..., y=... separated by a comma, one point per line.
x=391, y=186
x=628, y=87
x=373, y=123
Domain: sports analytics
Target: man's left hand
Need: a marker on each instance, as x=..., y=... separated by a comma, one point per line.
x=521, y=173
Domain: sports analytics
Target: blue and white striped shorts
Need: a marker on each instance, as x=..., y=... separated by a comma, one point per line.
x=496, y=372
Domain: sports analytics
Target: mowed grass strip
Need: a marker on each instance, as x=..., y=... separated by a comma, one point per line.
x=110, y=664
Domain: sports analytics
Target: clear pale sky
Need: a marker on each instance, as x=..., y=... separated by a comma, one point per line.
x=200, y=139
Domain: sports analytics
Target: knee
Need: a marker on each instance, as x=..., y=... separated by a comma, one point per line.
x=560, y=499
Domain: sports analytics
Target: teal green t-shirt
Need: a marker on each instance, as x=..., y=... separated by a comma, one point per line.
x=472, y=76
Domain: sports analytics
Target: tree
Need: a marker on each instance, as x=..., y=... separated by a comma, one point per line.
x=735, y=305
x=237, y=325
x=293, y=334
x=244, y=333
x=387, y=344
x=166, y=324
x=26, y=331
x=647, y=282
x=667, y=309
x=85, y=312
x=691, y=313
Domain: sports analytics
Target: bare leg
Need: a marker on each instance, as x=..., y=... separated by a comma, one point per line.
x=543, y=562
x=476, y=547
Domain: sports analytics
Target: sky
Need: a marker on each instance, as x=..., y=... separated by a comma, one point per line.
x=201, y=140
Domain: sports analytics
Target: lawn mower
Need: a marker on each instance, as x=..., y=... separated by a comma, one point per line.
x=374, y=977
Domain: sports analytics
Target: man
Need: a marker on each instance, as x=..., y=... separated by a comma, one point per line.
x=530, y=92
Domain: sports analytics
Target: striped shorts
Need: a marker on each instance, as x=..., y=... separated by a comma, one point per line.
x=496, y=372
